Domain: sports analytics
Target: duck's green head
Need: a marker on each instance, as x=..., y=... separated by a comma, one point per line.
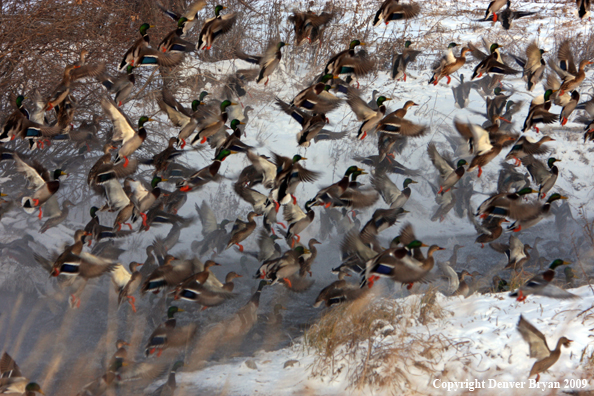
x=497, y=91
x=552, y=161
x=461, y=163
x=452, y=45
x=555, y=197
x=352, y=169
x=280, y=44
x=177, y=365
x=542, y=51
x=493, y=47
x=408, y=181
x=129, y=69
x=326, y=78
x=181, y=22
x=262, y=284
x=357, y=173
x=58, y=173
x=568, y=271
x=415, y=244
x=558, y=263
x=297, y=158
x=235, y=123
x=19, y=101
x=407, y=43
x=224, y=223
x=144, y=27
x=218, y=9
x=301, y=250
x=355, y=43
x=395, y=241
x=172, y=310
x=509, y=104
x=94, y=210
x=203, y=95
x=526, y=191
x=156, y=180
x=224, y=153
x=380, y=100
x=195, y=104
x=309, y=203
x=547, y=94
x=33, y=387
x=142, y=120
x=225, y=104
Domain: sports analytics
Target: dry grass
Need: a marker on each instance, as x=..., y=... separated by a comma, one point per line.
x=374, y=344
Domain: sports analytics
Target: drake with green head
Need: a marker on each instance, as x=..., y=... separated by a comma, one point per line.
x=368, y=116
x=215, y=27
x=212, y=124
x=402, y=60
x=161, y=338
x=134, y=51
x=530, y=214
x=206, y=174
x=540, y=285
x=347, y=62
x=130, y=145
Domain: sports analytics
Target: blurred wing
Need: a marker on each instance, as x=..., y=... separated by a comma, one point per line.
x=535, y=339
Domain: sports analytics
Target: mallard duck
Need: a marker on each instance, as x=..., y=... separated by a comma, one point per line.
x=402, y=60
x=12, y=381
x=39, y=179
x=204, y=175
x=173, y=41
x=507, y=16
x=501, y=200
x=18, y=125
x=280, y=269
x=231, y=141
x=312, y=125
x=569, y=107
x=215, y=27
x=263, y=166
x=395, y=124
x=214, y=233
x=516, y=252
x=449, y=175
x=241, y=230
x=208, y=296
x=524, y=147
x=391, y=195
x=370, y=118
x=120, y=85
x=167, y=275
x=127, y=291
x=493, y=7
x=490, y=230
x=212, y=123
x=297, y=220
x=572, y=77
x=448, y=64
x=261, y=204
x=181, y=117
x=541, y=285
x=315, y=98
x=57, y=220
x=72, y=73
x=530, y=214
x=463, y=288
x=132, y=54
x=167, y=335
x=390, y=10
x=347, y=62
x=534, y=65
x=162, y=160
x=462, y=93
x=381, y=220
x=543, y=177
x=492, y=65
x=545, y=358
x=484, y=146
x=340, y=194
x=289, y=174
x=186, y=20
x=339, y=291
x=308, y=25
x=583, y=8
x=268, y=62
